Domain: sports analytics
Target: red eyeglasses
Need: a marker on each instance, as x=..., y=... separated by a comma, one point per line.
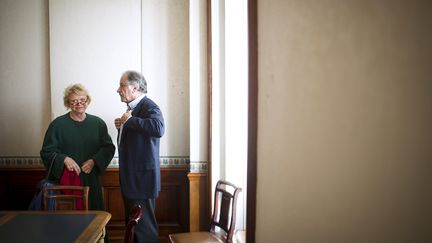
x=78, y=101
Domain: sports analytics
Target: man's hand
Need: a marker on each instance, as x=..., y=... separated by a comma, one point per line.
x=117, y=123
x=125, y=116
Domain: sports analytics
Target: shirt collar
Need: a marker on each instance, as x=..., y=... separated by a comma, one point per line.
x=131, y=105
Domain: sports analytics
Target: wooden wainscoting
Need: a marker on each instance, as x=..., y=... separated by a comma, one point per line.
x=17, y=187
x=172, y=206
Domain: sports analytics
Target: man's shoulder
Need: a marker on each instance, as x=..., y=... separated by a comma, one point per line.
x=145, y=101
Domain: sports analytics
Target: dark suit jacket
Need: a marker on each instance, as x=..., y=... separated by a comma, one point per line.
x=139, y=151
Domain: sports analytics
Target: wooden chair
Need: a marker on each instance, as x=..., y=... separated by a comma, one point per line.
x=223, y=220
x=65, y=197
x=134, y=217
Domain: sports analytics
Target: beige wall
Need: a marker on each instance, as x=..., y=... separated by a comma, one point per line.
x=344, y=128
x=24, y=76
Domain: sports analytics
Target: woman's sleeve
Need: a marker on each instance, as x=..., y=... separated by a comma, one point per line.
x=50, y=153
x=106, y=151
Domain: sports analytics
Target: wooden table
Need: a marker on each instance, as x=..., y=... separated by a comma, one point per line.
x=52, y=226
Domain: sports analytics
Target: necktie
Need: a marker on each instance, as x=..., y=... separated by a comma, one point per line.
x=121, y=126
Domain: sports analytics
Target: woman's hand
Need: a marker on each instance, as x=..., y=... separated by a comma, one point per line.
x=71, y=165
x=88, y=166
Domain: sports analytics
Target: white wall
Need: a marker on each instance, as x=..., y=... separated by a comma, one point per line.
x=198, y=87
x=49, y=44
x=344, y=127
x=93, y=43
x=165, y=64
x=110, y=37
x=229, y=97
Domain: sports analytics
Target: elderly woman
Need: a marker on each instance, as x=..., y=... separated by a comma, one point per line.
x=81, y=145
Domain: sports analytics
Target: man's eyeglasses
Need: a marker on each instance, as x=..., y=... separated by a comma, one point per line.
x=78, y=101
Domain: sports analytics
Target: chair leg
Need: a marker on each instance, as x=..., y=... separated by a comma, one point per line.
x=102, y=236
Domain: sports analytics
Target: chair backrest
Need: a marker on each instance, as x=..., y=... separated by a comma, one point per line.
x=65, y=197
x=134, y=217
x=225, y=207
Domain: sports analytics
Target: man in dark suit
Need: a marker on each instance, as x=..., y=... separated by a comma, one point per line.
x=140, y=129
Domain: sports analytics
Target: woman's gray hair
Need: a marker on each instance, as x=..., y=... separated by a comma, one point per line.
x=135, y=77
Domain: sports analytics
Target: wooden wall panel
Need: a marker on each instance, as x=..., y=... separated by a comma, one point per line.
x=172, y=206
x=199, y=215
x=17, y=187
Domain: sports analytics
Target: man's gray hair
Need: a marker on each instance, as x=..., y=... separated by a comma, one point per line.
x=135, y=77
